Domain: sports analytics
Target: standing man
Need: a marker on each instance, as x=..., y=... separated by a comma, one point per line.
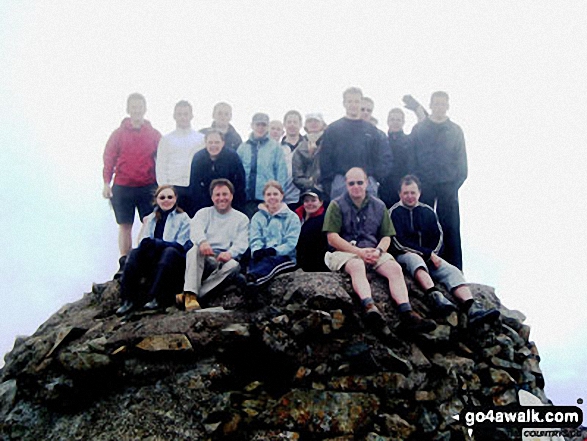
x=305, y=161
x=440, y=162
x=292, y=121
x=358, y=227
x=175, y=154
x=263, y=161
x=222, y=115
x=352, y=142
x=220, y=235
x=402, y=152
x=130, y=156
x=417, y=243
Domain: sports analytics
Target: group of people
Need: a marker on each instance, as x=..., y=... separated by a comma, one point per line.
x=224, y=207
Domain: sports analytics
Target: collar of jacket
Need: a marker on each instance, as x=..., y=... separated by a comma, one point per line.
x=258, y=141
x=127, y=124
x=281, y=212
x=301, y=212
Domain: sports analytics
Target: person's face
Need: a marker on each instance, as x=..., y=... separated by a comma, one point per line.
x=409, y=194
x=214, y=145
x=183, y=117
x=259, y=129
x=136, y=109
x=352, y=105
x=311, y=204
x=356, y=184
x=366, y=110
x=222, y=115
x=395, y=121
x=166, y=199
x=276, y=130
x=293, y=125
x=272, y=197
x=314, y=126
x=222, y=198
x=439, y=106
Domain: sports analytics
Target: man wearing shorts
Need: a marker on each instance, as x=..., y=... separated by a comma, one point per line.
x=130, y=156
x=359, y=229
x=417, y=244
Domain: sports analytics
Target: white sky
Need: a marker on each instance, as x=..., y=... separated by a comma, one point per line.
x=515, y=71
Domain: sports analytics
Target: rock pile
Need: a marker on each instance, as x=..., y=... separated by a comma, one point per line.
x=296, y=363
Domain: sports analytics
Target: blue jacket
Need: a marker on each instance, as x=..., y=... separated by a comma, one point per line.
x=280, y=231
x=177, y=228
x=417, y=230
x=270, y=164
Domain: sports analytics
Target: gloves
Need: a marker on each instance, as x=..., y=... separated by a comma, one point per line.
x=264, y=252
x=411, y=103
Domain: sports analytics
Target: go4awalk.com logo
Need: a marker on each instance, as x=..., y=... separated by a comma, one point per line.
x=537, y=421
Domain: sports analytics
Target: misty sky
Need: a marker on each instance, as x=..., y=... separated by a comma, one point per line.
x=515, y=72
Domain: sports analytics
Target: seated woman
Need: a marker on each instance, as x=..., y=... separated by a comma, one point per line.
x=273, y=236
x=160, y=256
x=312, y=244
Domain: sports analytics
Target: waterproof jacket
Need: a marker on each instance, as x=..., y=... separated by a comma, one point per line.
x=203, y=171
x=349, y=143
x=177, y=227
x=280, y=231
x=417, y=230
x=439, y=152
x=269, y=164
x=130, y=155
x=306, y=166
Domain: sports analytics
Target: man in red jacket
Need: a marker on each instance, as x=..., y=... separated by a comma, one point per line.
x=130, y=156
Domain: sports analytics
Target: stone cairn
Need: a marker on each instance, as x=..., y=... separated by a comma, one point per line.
x=291, y=362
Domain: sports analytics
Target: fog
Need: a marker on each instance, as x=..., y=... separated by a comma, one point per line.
x=515, y=73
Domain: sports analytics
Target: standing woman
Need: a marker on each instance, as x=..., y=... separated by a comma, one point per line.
x=160, y=256
x=273, y=236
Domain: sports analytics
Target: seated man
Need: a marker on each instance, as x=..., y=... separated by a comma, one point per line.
x=417, y=243
x=220, y=235
x=359, y=229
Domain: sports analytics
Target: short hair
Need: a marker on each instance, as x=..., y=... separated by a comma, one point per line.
x=439, y=94
x=135, y=96
x=409, y=180
x=366, y=98
x=183, y=103
x=396, y=110
x=221, y=182
x=359, y=168
x=221, y=103
x=213, y=131
x=293, y=112
x=352, y=91
x=273, y=183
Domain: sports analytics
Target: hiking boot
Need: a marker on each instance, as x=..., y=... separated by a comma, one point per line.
x=442, y=306
x=152, y=305
x=121, y=263
x=414, y=322
x=251, y=279
x=478, y=316
x=191, y=302
x=125, y=308
x=373, y=316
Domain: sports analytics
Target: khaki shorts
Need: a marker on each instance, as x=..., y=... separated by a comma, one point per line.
x=336, y=260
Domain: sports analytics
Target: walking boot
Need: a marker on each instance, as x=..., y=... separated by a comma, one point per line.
x=477, y=315
x=442, y=306
x=414, y=322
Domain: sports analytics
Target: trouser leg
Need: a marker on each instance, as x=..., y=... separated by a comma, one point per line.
x=447, y=209
x=220, y=273
x=138, y=263
x=169, y=274
x=194, y=270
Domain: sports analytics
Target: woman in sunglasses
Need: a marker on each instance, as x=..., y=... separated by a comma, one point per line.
x=160, y=256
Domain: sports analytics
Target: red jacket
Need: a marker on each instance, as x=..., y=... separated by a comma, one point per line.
x=130, y=155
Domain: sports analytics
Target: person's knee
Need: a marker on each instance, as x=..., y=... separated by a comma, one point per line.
x=355, y=267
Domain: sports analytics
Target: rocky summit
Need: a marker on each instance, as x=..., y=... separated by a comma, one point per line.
x=293, y=361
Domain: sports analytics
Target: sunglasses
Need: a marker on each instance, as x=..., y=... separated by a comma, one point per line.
x=163, y=197
x=365, y=109
x=353, y=183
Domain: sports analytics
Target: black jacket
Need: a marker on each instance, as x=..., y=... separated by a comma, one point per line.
x=227, y=165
